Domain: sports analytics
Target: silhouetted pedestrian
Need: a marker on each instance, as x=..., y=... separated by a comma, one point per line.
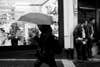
x=46, y=44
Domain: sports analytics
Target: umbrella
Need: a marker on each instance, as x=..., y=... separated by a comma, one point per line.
x=37, y=18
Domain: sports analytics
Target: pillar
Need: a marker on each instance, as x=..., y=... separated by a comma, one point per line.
x=70, y=21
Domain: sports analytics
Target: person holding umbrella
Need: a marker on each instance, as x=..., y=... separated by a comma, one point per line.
x=46, y=44
x=46, y=41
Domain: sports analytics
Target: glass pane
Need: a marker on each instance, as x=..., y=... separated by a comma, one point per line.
x=17, y=33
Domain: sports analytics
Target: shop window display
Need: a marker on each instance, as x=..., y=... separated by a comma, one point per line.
x=24, y=32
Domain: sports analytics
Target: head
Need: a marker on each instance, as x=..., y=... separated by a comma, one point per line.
x=92, y=20
x=45, y=28
x=81, y=21
x=86, y=22
x=33, y=32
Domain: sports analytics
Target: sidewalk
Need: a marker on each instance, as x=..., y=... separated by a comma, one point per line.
x=30, y=63
x=60, y=63
x=26, y=59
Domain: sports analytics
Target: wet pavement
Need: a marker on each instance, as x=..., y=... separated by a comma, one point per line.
x=30, y=63
x=26, y=58
x=59, y=62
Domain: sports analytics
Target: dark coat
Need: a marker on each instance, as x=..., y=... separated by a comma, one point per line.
x=88, y=31
x=47, y=42
x=77, y=31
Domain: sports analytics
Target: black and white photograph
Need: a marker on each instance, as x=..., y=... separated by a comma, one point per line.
x=49, y=33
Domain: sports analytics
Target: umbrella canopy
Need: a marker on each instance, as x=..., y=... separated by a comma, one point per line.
x=37, y=18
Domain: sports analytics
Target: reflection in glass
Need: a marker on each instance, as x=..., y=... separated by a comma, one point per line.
x=23, y=33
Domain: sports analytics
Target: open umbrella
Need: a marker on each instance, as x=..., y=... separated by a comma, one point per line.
x=37, y=18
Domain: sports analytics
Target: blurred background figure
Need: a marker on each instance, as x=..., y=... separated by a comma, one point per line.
x=33, y=37
x=88, y=32
x=55, y=27
x=78, y=40
x=93, y=35
x=81, y=34
x=2, y=37
x=94, y=40
x=13, y=31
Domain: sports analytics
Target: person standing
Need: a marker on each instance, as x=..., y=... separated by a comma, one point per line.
x=13, y=34
x=93, y=35
x=88, y=32
x=46, y=44
x=80, y=41
x=94, y=40
x=14, y=40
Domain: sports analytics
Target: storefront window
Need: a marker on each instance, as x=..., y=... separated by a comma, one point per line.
x=22, y=32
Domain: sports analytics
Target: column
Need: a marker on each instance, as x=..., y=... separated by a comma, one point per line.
x=70, y=21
